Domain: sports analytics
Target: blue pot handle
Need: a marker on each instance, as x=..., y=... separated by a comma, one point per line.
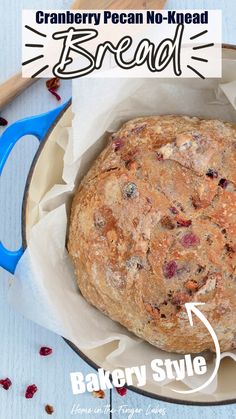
x=38, y=126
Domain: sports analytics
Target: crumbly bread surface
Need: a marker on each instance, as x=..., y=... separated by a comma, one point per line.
x=153, y=226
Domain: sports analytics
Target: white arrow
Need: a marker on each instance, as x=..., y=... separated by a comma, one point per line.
x=191, y=307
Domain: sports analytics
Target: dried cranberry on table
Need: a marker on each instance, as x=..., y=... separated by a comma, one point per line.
x=3, y=122
x=6, y=383
x=45, y=351
x=52, y=86
x=30, y=391
x=57, y=96
x=53, y=83
x=121, y=391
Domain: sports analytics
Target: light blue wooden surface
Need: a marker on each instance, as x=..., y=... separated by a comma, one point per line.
x=21, y=339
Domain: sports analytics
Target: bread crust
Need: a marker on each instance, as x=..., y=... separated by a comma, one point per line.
x=153, y=226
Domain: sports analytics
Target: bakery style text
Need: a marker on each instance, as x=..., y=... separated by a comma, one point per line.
x=162, y=370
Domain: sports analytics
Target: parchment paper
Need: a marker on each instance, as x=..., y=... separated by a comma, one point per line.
x=44, y=288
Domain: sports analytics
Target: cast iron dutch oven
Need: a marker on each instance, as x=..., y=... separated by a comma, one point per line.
x=42, y=126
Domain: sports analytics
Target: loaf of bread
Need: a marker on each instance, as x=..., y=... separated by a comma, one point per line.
x=153, y=226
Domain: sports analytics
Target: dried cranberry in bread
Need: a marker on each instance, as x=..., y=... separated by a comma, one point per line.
x=153, y=226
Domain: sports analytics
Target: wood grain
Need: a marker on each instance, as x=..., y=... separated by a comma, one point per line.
x=13, y=87
x=118, y=4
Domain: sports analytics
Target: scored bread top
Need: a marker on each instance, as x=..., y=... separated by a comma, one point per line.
x=153, y=226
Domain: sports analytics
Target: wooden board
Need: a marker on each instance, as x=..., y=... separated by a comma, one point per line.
x=118, y=4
